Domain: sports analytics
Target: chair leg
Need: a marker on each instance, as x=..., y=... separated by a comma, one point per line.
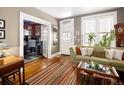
x=3, y=81
x=14, y=77
x=19, y=77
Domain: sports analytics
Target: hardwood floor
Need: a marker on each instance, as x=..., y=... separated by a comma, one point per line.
x=31, y=68
x=58, y=70
x=62, y=74
x=55, y=71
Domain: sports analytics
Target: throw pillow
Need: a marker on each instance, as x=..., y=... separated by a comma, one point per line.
x=118, y=54
x=100, y=54
x=78, y=51
x=83, y=51
x=89, y=51
x=109, y=53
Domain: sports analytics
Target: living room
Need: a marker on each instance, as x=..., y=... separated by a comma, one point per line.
x=59, y=43
x=70, y=28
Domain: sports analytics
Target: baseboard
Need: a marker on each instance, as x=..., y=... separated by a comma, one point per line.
x=56, y=54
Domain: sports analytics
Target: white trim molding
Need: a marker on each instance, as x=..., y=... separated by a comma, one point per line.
x=55, y=54
x=24, y=16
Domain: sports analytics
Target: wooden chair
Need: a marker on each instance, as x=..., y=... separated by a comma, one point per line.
x=6, y=78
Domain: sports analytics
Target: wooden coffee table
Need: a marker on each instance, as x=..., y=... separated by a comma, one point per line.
x=102, y=72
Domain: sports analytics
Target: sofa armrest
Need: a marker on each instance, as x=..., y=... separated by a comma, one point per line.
x=73, y=53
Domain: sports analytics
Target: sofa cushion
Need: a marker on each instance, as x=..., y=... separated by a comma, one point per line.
x=97, y=48
x=100, y=54
x=95, y=59
x=89, y=51
x=83, y=51
x=99, y=60
x=118, y=54
x=117, y=63
x=109, y=53
x=78, y=51
x=83, y=58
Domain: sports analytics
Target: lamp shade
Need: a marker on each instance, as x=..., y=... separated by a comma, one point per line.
x=2, y=45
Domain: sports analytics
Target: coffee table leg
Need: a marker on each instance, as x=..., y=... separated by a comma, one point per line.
x=78, y=76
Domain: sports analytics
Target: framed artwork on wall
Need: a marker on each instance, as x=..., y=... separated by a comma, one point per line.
x=2, y=34
x=2, y=24
x=55, y=35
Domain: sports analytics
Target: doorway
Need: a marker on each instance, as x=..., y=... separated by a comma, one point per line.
x=44, y=35
x=33, y=46
x=66, y=35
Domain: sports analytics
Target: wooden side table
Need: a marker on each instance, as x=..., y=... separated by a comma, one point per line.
x=10, y=65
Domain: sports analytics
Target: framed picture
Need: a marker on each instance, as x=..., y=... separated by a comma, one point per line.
x=2, y=24
x=2, y=34
x=55, y=35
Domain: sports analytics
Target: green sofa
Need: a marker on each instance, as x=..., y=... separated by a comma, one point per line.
x=96, y=57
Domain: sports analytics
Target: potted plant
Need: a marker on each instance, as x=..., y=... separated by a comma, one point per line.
x=107, y=39
x=91, y=37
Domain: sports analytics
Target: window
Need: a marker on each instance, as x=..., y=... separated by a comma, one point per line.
x=89, y=27
x=66, y=36
x=98, y=24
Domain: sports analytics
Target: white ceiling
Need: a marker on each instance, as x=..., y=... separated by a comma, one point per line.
x=63, y=12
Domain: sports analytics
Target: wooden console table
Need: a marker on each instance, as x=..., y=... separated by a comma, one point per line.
x=10, y=65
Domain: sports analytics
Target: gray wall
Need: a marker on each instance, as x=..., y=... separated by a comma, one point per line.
x=77, y=22
x=77, y=28
x=12, y=15
x=55, y=45
x=120, y=15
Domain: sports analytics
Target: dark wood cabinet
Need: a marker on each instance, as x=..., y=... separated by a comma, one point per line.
x=119, y=32
x=120, y=39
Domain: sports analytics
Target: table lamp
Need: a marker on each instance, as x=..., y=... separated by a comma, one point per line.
x=3, y=46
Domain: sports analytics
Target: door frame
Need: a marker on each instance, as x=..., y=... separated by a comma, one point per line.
x=72, y=19
x=24, y=16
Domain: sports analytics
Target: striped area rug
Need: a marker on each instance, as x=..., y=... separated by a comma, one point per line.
x=55, y=74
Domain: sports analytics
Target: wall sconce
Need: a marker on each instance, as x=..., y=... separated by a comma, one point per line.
x=77, y=34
